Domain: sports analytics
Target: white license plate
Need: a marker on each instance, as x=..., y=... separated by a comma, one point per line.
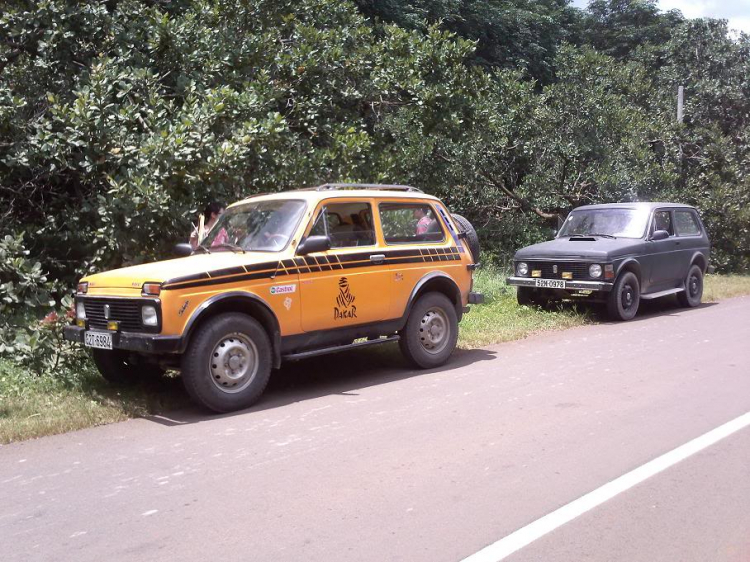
x=99, y=340
x=550, y=283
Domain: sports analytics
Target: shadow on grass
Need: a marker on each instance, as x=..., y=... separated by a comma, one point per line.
x=339, y=374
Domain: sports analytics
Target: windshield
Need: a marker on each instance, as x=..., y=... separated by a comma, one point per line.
x=619, y=223
x=263, y=226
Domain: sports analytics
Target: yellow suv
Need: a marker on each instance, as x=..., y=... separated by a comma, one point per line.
x=282, y=277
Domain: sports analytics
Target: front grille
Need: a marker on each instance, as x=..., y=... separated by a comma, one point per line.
x=125, y=311
x=578, y=269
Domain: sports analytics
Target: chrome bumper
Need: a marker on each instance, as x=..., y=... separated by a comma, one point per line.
x=574, y=285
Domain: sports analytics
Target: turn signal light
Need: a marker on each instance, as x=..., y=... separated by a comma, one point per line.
x=536, y=273
x=567, y=275
x=609, y=271
x=151, y=289
x=113, y=325
x=83, y=288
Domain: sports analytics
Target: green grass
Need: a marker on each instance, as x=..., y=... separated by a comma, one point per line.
x=76, y=398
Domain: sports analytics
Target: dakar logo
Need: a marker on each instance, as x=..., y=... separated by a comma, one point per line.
x=345, y=302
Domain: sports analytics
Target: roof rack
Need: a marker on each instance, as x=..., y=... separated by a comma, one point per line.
x=378, y=186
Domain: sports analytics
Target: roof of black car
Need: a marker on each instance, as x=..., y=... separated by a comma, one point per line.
x=635, y=205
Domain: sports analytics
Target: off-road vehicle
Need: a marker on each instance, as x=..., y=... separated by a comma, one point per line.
x=618, y=254
x=281, y=277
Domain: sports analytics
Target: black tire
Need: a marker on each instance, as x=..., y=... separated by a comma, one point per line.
x=623, y=301
x=122, y=368
x=433, y=312
x=227, y=385
x=471, y=237
x=693, y=293
x=526, y=296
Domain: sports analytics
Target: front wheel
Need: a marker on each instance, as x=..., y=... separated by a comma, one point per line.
x=431, y=331
x=623, y=301
x=693, y=293
x=228, y=363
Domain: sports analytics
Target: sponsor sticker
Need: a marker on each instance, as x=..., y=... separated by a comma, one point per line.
x=283, y=289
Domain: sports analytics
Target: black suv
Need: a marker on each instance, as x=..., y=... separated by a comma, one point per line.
x=619, y=254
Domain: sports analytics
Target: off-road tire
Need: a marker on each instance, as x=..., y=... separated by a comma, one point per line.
x=623, y=301
x=693, y=293
x=432, y=312
x=118, y=367
x=216, y=339
x=526, y=296
x=471, y=237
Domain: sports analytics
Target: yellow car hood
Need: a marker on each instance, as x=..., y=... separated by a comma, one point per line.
x=135, y=276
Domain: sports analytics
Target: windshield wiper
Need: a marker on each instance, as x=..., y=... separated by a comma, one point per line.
x=231, y=246
x=592, y=234
x=202, y=247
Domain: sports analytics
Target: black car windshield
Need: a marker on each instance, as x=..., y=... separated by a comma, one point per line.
x=618, y=223
x=262, y=226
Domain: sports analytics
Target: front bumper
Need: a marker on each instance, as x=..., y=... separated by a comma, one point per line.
x=144, y=343
x=569, y=285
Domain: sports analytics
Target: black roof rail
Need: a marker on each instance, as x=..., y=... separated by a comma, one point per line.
x=377, y=186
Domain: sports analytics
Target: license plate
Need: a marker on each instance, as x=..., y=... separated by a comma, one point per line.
x=550, y=283
x=99, y=340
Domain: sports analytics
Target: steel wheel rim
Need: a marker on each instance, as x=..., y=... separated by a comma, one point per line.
x=627, y=297
x=693, y=286
x=434, y=331
x=233, y=363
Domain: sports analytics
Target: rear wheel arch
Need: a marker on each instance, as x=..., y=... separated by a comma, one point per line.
x=245, y=303
x=700, y=260
x=436, y=282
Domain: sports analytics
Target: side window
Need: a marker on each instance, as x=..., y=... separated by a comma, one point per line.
x=347, y=224
x=405, y=223
x=663, y=221
x=686, y=223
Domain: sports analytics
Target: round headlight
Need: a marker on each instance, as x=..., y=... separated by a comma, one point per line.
x=522, y=269
x=80, y=311
x=595, y=270
x=149, y=316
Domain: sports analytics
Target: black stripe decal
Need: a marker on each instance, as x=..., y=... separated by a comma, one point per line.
x=310, y=264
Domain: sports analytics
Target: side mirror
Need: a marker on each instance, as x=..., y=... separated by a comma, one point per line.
x=314, y=244
x=660, y=235
x=182, y=250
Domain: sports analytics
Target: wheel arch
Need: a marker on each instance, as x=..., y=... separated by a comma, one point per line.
x=700, y=260
x=634, y=267
x=439, y=282
x=237, y=301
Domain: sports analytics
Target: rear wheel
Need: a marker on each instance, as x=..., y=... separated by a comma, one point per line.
x=431, y=331
x=693, y=292
x=623, y=301
x=122, y=367
x=228, y=363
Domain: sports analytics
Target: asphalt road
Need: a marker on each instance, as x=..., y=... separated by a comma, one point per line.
x=354, y=457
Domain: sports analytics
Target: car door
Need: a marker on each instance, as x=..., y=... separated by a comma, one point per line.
x=350, y=283
x=664, y=254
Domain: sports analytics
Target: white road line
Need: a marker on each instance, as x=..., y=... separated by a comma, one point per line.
x=533, y=531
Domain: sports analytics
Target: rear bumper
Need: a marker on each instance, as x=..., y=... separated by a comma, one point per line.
x=476, y=298
x=144, y=343
x=574, y=285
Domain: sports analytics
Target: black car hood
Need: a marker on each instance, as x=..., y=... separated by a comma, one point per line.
x=583, y=248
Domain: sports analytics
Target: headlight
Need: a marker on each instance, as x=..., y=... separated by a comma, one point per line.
x=149, y=317
x=595, y=270
x=80, y=311
x=522, y=269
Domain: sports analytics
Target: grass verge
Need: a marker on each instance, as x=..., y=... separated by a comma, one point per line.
x=34, y=406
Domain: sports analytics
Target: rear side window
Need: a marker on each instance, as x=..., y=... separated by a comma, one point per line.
x=686, y=223
x=405, y=223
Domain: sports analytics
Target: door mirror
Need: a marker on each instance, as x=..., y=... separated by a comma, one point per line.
x=314, y=244
x=182, y=250
x=660, y=235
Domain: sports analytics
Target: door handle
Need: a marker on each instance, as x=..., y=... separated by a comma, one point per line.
x=377, y=258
